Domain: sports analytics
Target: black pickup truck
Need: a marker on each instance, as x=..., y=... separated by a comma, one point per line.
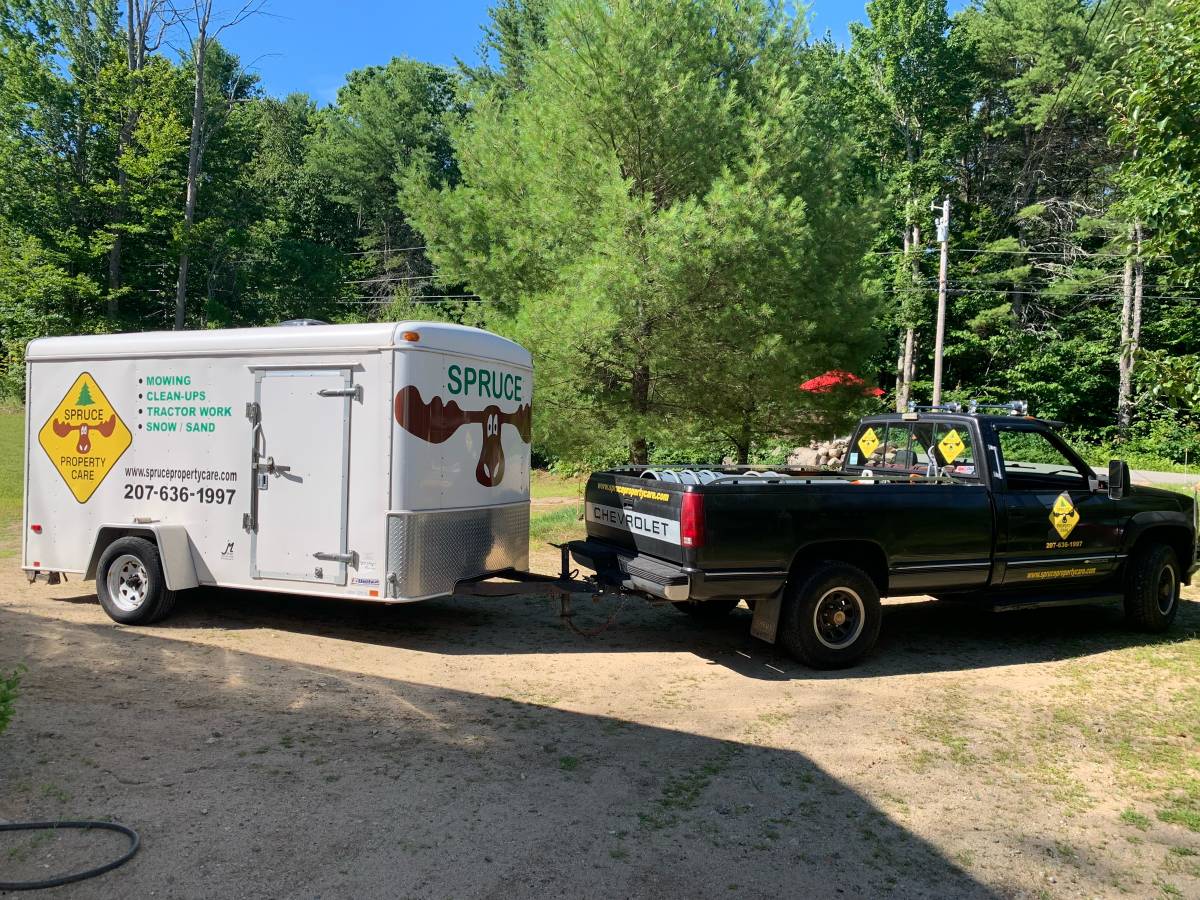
x=991, y=508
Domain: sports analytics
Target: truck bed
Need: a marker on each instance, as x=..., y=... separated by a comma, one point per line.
x=755, y=522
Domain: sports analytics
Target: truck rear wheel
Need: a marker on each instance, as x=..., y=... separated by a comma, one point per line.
x=1152, y=588
x=130, y=582
x=831, y=616
x=713, y=610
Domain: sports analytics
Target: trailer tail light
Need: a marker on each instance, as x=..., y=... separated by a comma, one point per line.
x=691, y=520
x=36, y=529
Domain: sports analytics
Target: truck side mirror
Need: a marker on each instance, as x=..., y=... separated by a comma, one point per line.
x=1118, y=479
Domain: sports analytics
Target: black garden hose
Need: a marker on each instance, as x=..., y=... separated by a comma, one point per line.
x=134, y=843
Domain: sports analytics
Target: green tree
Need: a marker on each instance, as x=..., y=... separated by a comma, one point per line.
x=664, y=216
x=912, y=80
x=386, y=120
x=1156, y=121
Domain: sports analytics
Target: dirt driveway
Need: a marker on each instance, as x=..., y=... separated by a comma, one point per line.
x=266, y=746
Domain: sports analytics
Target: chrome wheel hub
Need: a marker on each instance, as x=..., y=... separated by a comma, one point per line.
x=127, y=583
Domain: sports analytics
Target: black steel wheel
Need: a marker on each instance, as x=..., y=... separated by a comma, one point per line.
x=831, y=616
x=1152, y=583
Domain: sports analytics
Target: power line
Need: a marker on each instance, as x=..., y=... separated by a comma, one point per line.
x=1043, y=293
x=972, y=250
x=383, y=279
x=427, y=298
x=384, y=250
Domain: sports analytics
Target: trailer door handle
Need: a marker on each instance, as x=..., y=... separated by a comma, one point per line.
x=356, y=392
x=268, y=464
x=350, y=559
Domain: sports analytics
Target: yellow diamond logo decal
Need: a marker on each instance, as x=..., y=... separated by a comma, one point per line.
x=84, y=437
x=868, y=442
x=1064, y=516
x=951, y=446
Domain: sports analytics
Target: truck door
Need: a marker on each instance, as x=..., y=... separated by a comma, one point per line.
x=1056, y=527
x=299, y=466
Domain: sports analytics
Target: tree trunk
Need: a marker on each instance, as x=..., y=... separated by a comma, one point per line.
x=1125, y=360
x=902, y=358
x=639, y=450
x=137, y=20
x=193, y=173
x=908, y=363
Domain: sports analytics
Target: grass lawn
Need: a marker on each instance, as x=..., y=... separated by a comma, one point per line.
x=12, y=479
x=544, y=485
x=12, y=462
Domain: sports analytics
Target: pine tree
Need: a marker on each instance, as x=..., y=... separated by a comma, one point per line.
x=85, y=396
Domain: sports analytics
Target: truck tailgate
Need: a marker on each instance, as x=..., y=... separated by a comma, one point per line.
x=635, y=514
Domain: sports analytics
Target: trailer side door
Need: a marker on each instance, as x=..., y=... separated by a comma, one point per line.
x=299, y=460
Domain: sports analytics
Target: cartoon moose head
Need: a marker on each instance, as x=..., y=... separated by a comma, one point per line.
x=436, y=421
x=85, y=442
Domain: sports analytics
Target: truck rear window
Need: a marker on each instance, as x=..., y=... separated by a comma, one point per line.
x=914, y=448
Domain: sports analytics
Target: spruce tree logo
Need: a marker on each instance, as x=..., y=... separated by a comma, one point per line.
x=85, y=396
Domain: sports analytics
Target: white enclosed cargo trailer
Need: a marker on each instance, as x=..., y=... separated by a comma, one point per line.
x=382, y=462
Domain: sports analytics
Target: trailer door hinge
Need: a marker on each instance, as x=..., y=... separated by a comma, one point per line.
x=252, y=411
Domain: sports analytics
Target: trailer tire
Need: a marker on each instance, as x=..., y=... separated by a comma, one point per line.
x=831, y=616
x=714, y=610
x=1152, y=588
x=130, y=582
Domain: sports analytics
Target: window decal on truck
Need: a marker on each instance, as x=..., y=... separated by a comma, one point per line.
x=84, y=437
x=436, y=421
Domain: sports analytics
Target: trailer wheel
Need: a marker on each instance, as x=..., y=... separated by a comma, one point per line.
x=1152, y=588
x=130, y=582
x=712, y=610
x=831, y=616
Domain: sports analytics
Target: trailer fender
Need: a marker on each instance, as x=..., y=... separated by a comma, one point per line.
x=179, y=568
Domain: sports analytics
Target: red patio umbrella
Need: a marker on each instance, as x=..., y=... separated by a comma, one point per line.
x=835, y=378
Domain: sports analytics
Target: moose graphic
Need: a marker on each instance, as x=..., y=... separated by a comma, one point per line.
x=436, y=421
x=85, y=442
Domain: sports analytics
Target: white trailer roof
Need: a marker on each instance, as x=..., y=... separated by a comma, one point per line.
x=282, y=339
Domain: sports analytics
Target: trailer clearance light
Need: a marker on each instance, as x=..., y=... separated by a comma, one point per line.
x=413, y=336
x=36, y=529
x=691, y=520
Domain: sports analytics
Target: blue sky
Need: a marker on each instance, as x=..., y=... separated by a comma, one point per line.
x=309, y=46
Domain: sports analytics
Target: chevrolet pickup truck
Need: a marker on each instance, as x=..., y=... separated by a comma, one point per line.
x=990, y=507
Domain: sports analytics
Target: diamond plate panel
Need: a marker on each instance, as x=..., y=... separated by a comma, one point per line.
x=429, y=552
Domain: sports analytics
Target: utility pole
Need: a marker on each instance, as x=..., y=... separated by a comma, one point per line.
x=943, y=234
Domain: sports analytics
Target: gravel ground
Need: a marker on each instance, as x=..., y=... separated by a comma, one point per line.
x=268, y=746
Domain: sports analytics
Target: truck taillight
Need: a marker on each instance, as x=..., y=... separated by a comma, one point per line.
x=691, y=520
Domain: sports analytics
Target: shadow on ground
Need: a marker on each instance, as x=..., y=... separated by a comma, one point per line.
x=253, y=777
x=918, y=635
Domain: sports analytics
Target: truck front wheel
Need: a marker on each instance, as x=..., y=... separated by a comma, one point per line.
x=831, y=616
x=1152, y=588
x=130, y=582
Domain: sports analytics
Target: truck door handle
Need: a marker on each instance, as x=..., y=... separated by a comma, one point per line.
x=350, y=559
